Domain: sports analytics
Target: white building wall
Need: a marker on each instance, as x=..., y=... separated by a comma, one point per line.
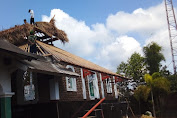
x=5, y=78
x=83, y=85
x=102, y=88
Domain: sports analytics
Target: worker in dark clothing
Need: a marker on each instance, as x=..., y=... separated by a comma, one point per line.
x=25, y=21
x=32, y=42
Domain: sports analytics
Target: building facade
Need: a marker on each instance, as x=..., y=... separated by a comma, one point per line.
x=53, y=82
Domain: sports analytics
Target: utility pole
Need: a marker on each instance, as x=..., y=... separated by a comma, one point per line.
x=172, y=28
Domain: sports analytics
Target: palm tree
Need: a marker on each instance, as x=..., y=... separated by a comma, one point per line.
x=159, y=85
x=149, y=82
x=141, y=93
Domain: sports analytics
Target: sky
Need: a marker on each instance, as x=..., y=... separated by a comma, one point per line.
x=101, y=31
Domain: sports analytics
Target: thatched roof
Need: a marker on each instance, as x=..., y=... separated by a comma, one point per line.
x=49, y=31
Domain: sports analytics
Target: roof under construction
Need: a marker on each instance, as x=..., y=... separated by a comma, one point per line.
x=66, y=57
x=46, y=31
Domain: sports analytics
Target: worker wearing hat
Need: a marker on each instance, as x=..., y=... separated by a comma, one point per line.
x=32, y=42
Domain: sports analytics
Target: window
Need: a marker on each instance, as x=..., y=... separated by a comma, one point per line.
x=29, y=88
x=93, y=86
x=115, y=88
x=109, y=85
x=70, y=81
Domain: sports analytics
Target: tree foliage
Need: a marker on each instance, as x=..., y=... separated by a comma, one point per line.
x=122, y=69
x=142, y=93
x=133, y=68
x=148, y=79
x=159, y=84
x=137, y=67
x=165, y=72
x=173, y=82
x=153, y=57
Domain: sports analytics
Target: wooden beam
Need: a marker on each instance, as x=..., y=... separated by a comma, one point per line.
x=47, y=55
x=40, y=49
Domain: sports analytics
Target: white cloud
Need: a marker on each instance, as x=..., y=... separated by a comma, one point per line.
x=108, y=44
x=118, y=51
x=140, y=20
x=96, y=44
x=80, y=35
x=162, y=38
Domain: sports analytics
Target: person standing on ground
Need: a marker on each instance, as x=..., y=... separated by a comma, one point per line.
x=32, y=42
x=32, y=16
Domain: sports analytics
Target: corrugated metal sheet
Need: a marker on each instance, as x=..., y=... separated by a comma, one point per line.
x=67, y=57
x=6, y=46
x=48, y=68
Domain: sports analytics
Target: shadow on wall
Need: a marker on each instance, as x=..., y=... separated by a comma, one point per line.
x=1, y=90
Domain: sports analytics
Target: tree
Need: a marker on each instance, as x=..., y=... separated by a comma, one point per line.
x=149, y=82
x=141, y=93
x=165, y=72
x=160, y=87
x=133, y=68
x=136, y=66
x=153, y=57
x=173, y=82
x=122, y=69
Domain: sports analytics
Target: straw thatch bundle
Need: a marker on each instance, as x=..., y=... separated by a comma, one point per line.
x=50, y=30
x=16, y=34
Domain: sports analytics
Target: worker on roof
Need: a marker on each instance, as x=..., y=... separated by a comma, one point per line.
x=32, y=42
x=25, y=21
x=32, y=16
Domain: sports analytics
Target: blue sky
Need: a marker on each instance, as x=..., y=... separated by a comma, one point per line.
x=91, y=11
x=104, y=32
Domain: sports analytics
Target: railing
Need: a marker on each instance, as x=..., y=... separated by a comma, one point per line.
x=93, y=108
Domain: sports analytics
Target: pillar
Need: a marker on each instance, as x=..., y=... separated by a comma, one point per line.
x=5, y=100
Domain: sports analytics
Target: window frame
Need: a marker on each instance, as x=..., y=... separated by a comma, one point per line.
x=95, y=86
x=29, y=89
x=109, y=85
x=73, y=80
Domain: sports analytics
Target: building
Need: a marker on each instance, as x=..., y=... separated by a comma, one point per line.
x=57, y=83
